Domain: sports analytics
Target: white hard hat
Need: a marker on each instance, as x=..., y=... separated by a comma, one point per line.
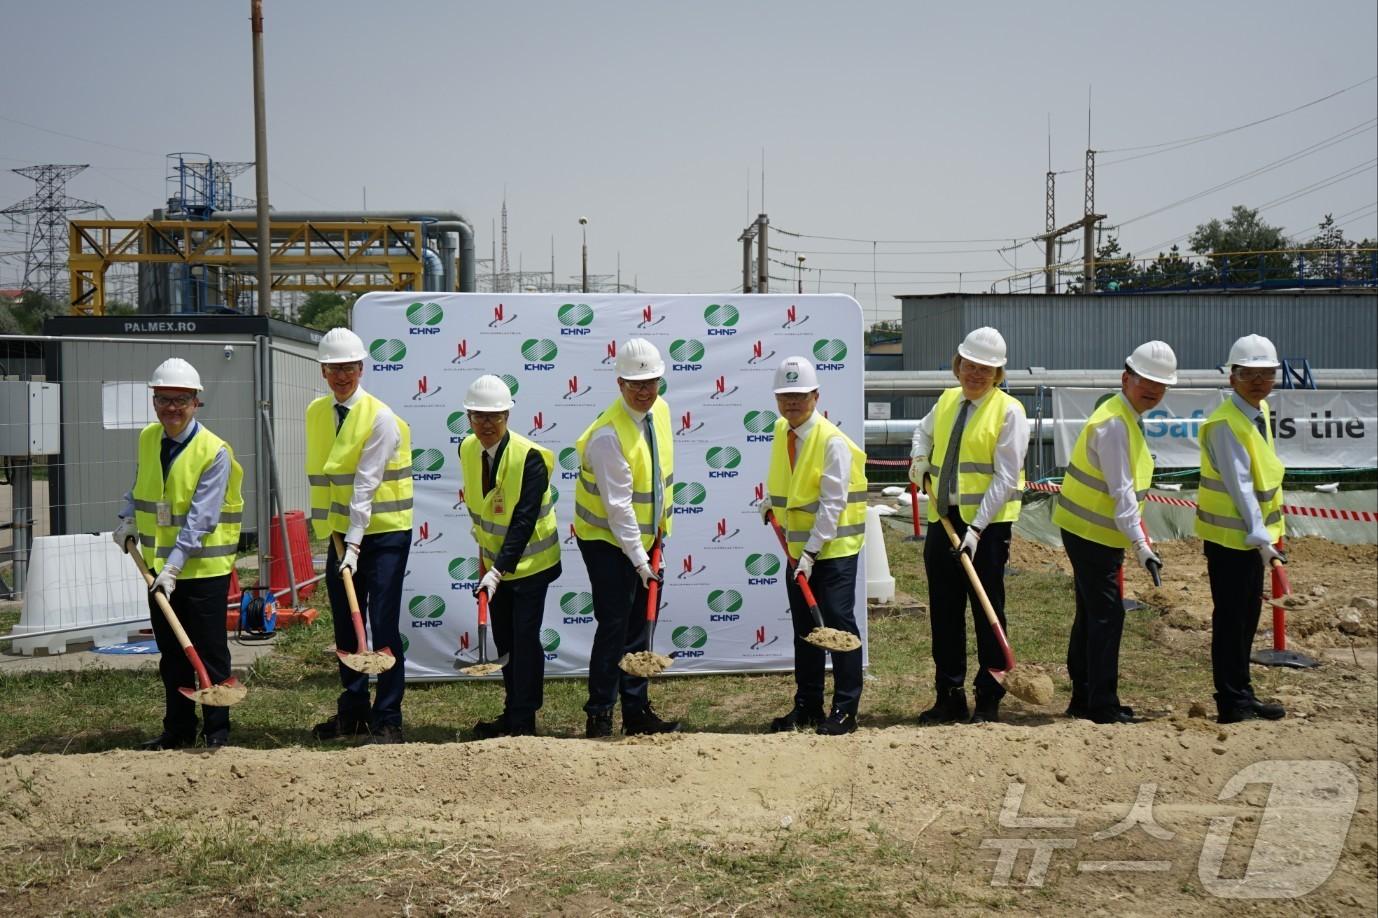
x=175, y=373
x=488, y=393
x=795, y=374
x=639, y=359
x=1253, y=351
x=1154, y=360
x=984, y=346
x=340, y=345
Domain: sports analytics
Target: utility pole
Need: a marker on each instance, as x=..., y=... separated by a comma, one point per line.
x=762, y=251
x=745, y=239
x=265, y=275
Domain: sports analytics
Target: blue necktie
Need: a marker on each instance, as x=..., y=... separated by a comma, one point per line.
x=948, y=476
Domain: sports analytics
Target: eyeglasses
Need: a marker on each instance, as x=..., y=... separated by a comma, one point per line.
x=173, y=401
x=1255, y=374
x=486, y=417
x=792, y=396
x=972, y=368
x=343, y=369
x=642, y=385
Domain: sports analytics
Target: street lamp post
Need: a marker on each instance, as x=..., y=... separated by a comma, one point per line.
x=801, y=274
x=584, y=230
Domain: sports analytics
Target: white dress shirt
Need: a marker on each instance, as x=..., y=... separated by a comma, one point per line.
x=1010, y=449
x=207, y=500
x=1108, y=449
x=832, y=486
x=380, y=446
x=1231, y=460
x=612, y=474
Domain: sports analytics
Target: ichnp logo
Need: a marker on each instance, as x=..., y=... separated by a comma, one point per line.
x=792, y=319
x=758, y=354
x=724, y=606
x=458, y=425
x=538, y=424
x=462, y=354
x=575, y=318
x=553, y=495
x=722, y=461
x=830, y=353
x=550, y=643
x=425, y=318
x=760, y=426
x=388, y=354
x=426, y=464
x=426, y=611
x=687, y=354
x=721, y=319
x=574, y=390
x=577, y=608
x=424, y=390
x=511, y=382
x=540, y=354
x=762, y=640
x=464, y=573
x=501, y=318
x=688, y=570
x=569, y=463
x=762, y=568
x=687, y=425
x=723, y=533
x=689, y=639
x=647, y=318
x=688, y=497
x=721, y=388
x=424, y=537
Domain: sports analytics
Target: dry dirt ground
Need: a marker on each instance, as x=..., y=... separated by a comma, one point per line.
x=941, y=808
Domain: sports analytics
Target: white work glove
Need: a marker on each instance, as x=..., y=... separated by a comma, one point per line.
x=1269, y=553
x=919, y=469
x=804, y=566
x=644, y=571
x=764, y=508
x=126, y=530
x=350, y=560
x=489, y=583
x=969, y=541
x=166, y=580
x=1144, y=553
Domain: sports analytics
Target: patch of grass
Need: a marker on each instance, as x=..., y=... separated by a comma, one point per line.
x=9, y=617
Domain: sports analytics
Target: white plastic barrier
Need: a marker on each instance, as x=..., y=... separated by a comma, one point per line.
x=880, y=586
x=81, y=589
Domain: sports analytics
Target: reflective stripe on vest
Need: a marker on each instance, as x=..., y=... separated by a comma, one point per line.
x=590, y=513
x=975, y=457
x=332, y=459
x=493, y=512
x=1085, y=506
x=796, y=492
x=1218, y=520
x=215, y=557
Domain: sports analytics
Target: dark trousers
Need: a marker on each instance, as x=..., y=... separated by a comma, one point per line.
x=378, y=587
x=833, y=582
x=949, y=592
x=1093, y=650
x=619, y=608
x=200, y=607
x=1236, y=579
x=516, y=611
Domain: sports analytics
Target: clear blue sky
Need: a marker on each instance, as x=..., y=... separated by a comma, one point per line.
x=879, y=121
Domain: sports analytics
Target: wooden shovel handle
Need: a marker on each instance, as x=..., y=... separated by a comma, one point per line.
x=132, y=549
x=975, y=581
x=347, y=576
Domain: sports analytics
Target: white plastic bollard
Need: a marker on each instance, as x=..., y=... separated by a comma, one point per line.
x=880, y=586
x=81, y=589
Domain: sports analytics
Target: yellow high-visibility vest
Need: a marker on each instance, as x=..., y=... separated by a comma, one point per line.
x=492, y=513
x=794, y=493
x=975, y=456
x=1218, y=520
x=332, y=459
x=215, y=558
x=1085, y=506
x=590, y=514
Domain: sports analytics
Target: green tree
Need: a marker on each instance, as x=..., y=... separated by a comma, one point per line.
x=25, y=315
x=1116, y=271
x=1329, y=255
x=1234, y=245
x=324, y=311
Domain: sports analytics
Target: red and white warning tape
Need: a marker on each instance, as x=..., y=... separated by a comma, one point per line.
x=1329, y=513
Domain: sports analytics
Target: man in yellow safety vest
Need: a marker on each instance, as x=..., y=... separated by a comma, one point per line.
x=1239, y=520
x=507, y=492
x=185, y=509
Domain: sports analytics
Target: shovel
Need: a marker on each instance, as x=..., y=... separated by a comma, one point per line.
x=647, y=662
x=219, y=695
x=363, y=660
x=1034, y=688
x=480, y=665
x=821, y=635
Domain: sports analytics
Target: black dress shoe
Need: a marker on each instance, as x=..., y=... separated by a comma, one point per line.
x=387, y=735
x=1268, y=710
x=1082, y=712
x=334, y=728
x=1116, y=715
x=797, y=717
x=217, y=742
x=838, y=723
x=598, y=726
x=503, y=726
x=987, y=712
x=167, y=740
x=1236, y=715
x=645, y=722
x=950, y=708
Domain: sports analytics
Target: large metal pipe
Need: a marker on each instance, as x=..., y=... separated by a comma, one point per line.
x=886, y=384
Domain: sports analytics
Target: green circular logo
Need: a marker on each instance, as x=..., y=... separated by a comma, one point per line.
x=759, y=421
x=427, y=460
x=388, y=350
x=720, y=315
x=725, y=601
x=686, y=637
x=830, y=350
x=511, y=381
x=577, y=603
x=569, y=459
x=426, y=607
x=723, y=457
x=464, y=569
x=550, y=640
x=762, y=565
x=425, y=314
x=458, y=422
x=580, y=314
x=540, y=350
x=686, y=350
x=689, y=493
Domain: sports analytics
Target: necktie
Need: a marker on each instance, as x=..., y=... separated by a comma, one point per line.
x=1262, y=426
x=657, y=487
x=792, y=441
x=487, y=473
x=341, y=412
x=166, y=452
x=949, y=473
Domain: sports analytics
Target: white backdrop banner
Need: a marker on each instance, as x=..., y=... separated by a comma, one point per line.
x=1314, y=428
x=724, y=607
